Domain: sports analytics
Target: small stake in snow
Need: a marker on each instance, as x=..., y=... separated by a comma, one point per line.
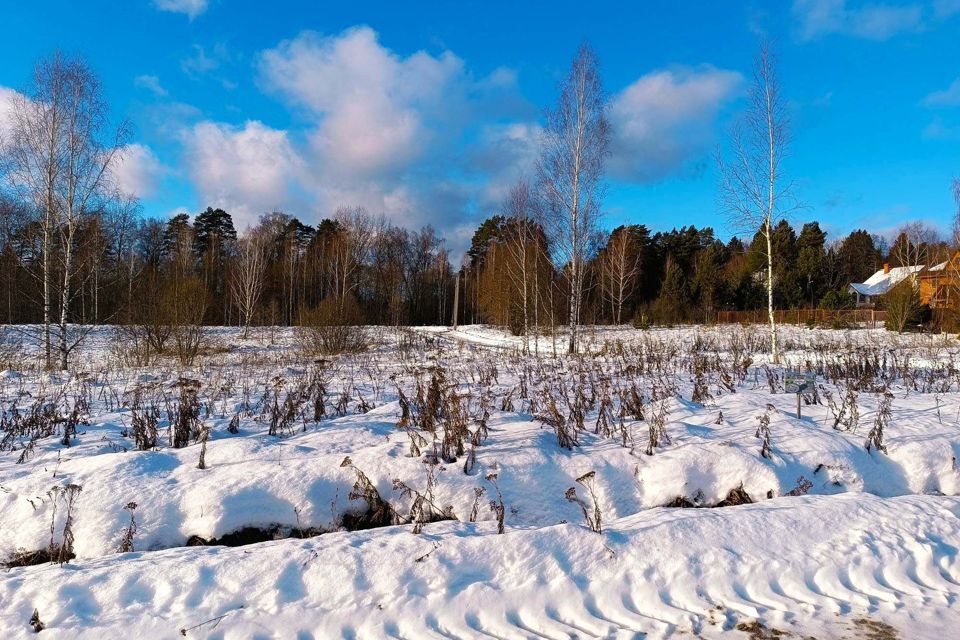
x=797, y=383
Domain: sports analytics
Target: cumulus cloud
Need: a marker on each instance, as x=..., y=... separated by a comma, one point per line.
x=949, y=97
x=376, y=110
x=816, y=18
x=6, y=112
x=247, y=170
x=137, y=170
x=395, y=133
x=504, y=154
x=192, y=8
x=665, y=119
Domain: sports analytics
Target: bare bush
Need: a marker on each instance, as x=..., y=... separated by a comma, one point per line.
x=36, y=623
x=62, y=552
x=126, y=540
x=333, y=327
x=591, y=513
x=497, y=506
x=763, y=430
x=379, y=513
x=875, y=437
x=185, y=417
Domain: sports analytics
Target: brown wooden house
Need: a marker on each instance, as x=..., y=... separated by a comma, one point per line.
x=940, y=284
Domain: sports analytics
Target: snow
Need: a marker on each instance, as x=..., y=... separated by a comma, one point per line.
x=810, y=565
x=839, y=538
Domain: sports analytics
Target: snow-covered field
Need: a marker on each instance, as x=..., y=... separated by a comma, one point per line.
x=360, y=494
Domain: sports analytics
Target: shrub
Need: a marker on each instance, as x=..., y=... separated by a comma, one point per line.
x=332, y=327
x=134, y=345
x=840, y=324
x=188, y=333
x=170, y=321
x=903, y=307
x=838, y=300
x=641, y=320
x=11, y=353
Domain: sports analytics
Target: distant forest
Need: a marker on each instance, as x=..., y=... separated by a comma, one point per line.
x=128, y=268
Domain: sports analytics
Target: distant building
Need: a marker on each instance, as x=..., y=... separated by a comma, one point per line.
x=881, y=283
x=940, y=284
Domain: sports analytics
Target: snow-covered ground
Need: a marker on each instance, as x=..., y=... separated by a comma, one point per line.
x=449, y=429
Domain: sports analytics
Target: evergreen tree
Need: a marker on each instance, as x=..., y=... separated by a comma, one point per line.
x=176, y=227
x=858, y=257
x=213, y=229
x=811, y=261
x=489, y=231
x=671, y=305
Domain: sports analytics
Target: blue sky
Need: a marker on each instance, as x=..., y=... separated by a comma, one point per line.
x=428, y=111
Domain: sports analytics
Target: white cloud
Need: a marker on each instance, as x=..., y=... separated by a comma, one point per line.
x=665, y=119
x=247, y=170
x=504, y=154
x=395, y=133
x=192, y=8
x=150, y=83
x=375, y=109
x=818, y=18
x=949, y=97
x=6, y=112
x=137, y=171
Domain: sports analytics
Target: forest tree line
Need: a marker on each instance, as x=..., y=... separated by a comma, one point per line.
x=128, y=268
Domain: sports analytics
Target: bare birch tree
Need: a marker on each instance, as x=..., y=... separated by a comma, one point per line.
x=58, y=160
x=247, y=276
x=355, y=237
x=89, y=152
x=570, y=168
x=913, y=246
x=520, y=247
x=34, y=164
x=753, y=189
x=620, y=267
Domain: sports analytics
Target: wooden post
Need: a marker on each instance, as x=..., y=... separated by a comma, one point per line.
x=798, y=404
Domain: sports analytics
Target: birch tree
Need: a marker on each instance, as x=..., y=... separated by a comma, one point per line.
x=89, y=151
x=34, y=164
x=754, y=191
x=914, y=246
x=619, y=267
x=350, y=249
x=569, y=171
x=247, y=276
x=520, y=247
